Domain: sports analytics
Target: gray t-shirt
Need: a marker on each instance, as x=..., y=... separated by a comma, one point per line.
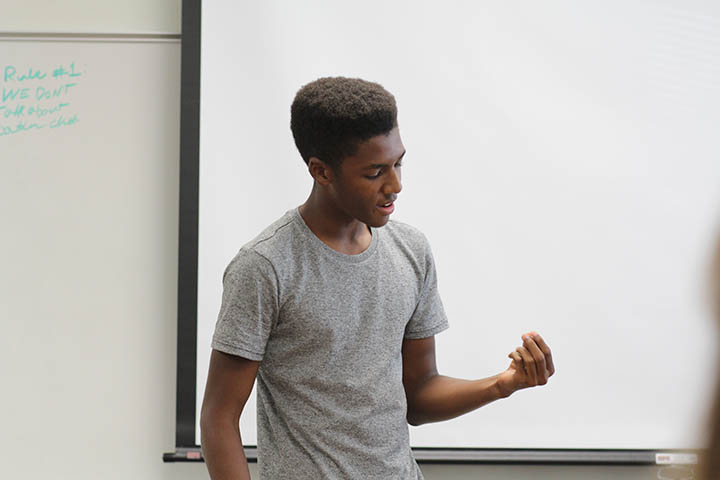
x=328, y=328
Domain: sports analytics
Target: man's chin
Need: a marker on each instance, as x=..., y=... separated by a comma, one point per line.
x=381, y=222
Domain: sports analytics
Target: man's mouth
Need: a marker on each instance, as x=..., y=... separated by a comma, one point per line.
x=387, y=208
x=388, y=203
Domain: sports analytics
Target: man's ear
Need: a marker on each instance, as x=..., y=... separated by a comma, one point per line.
x=320, y=171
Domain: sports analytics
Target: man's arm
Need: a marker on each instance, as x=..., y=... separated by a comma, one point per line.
x=229, y=383
x=432, y=397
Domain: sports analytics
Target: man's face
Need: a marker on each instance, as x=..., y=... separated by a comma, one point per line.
x=367, y=183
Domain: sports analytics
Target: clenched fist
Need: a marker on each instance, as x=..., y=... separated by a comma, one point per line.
x=531, y=365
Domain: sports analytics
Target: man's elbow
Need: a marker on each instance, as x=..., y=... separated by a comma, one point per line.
x=213, y=420
x=414, y=419
x=206, y=416
x=206, y=423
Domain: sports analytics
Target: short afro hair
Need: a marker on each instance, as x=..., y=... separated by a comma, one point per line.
x=331, y=116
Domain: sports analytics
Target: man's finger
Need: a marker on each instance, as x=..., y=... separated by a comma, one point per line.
x=529, y=364
x=539, y=356
x=546, y=350
x=517, y=360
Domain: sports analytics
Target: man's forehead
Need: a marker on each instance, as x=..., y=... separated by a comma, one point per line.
x=380, y=149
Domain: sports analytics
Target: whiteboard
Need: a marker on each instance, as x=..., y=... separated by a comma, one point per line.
x=72, y=107
x=88, y=210
x=562, y=161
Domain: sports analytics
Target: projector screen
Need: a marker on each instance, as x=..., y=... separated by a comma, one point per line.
x=563, y=161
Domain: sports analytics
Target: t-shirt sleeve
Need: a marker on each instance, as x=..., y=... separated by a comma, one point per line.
x=429, y=316
x=249, y=306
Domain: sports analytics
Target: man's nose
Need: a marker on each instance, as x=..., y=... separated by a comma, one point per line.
x=394, y=184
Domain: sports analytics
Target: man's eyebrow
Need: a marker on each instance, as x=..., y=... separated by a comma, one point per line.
x=381, y=165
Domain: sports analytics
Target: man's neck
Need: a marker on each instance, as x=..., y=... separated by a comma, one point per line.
x=334, y=227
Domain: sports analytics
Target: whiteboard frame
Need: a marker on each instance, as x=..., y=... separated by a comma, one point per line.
x=188, y=227
x=187, y=449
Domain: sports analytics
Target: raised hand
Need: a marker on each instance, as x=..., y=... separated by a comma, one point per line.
x=531, y=365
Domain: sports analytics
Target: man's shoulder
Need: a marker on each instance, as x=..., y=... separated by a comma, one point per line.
x=407, y=235
x=278, y=232
x=269, y=246
x=404, y=228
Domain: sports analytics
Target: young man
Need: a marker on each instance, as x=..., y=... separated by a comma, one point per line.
x=334, y=308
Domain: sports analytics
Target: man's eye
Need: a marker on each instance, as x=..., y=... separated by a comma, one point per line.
x=372, y=177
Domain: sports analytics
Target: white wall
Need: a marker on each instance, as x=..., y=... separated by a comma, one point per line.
x=88, y=16
x=88, y=298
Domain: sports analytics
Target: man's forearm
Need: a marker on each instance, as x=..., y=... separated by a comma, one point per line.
x=223, y=451
x=442, y=398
